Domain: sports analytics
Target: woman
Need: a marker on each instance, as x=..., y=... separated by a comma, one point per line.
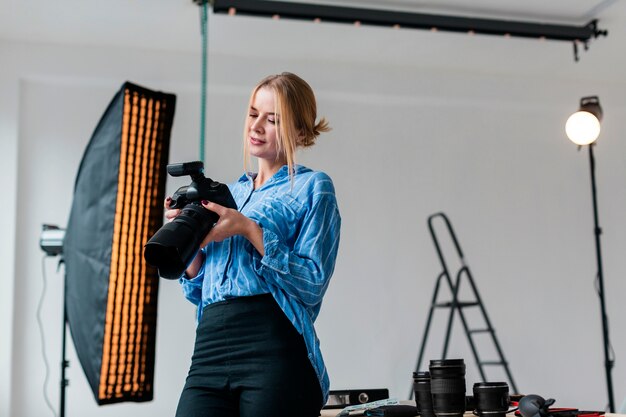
x=263, y=270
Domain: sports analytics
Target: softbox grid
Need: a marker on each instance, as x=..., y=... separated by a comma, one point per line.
x=128, y=349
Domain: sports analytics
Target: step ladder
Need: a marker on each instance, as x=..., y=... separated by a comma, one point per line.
x=455, y=305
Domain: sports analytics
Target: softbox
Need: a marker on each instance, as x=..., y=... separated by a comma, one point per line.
x=111, y=293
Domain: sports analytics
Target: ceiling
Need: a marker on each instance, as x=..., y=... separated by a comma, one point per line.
x=559, y=11
x=174, y=25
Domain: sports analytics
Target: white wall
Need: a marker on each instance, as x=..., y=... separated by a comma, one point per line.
x=8, y=168
x=486, y=147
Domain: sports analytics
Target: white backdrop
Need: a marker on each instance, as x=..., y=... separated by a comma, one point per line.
x=487, y=147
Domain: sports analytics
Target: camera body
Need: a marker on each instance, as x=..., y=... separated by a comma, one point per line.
x=201, y=188
x=176, y=243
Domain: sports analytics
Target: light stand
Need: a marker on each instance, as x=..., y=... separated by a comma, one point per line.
x=64, y=362
x=51, y=242
x=583, y=128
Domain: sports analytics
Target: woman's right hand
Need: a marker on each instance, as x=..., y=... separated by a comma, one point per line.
x=170, y=214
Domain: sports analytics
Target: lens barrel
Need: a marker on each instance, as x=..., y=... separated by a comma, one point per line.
x=175, y=244
x=423, y=397
x=447, y=385
x=492, y=398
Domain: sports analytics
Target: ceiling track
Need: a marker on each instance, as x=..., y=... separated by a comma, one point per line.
x=398, y=19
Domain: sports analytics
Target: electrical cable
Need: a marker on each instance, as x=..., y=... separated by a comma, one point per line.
x=42, y=337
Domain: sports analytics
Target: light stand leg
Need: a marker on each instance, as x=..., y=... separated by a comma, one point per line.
x=64, y=362
x=608, y=363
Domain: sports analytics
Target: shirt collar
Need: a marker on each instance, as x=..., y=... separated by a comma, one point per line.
x=280, y=174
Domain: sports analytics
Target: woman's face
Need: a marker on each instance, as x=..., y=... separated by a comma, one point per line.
x=261, y=126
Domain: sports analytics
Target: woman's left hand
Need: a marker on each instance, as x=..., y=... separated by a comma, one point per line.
x=230, y=223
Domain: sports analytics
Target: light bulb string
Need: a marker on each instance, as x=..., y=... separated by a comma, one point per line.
x=203, y=93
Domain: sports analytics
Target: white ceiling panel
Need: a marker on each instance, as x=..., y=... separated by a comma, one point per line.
x=561, y=11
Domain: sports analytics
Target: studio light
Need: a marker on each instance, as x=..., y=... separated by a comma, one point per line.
x=583, y=128
x=110, y=293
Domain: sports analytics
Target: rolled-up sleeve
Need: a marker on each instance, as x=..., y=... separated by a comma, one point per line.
x=192, y=287
x=304, y=270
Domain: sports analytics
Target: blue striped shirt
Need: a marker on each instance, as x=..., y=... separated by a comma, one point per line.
x=300, y=223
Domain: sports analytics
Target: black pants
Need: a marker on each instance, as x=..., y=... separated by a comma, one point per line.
x=249, y=361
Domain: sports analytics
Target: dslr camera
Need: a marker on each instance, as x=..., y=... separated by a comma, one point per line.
x=176, y=243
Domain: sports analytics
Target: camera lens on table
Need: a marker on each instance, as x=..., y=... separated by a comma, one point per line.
x=423, y=398
x=447, y=385
x=492, y=398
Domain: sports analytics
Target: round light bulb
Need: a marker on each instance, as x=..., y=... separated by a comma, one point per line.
x=582, y=128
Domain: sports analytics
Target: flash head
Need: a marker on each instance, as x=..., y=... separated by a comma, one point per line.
x=51, y=239
x=186, y=168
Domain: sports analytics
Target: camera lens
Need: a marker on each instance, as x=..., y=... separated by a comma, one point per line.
x=447, y=385
x=423, y=398
x=173, y=246
x=492, y=398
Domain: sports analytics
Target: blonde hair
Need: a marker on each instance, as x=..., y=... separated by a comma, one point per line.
x=296, y=112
